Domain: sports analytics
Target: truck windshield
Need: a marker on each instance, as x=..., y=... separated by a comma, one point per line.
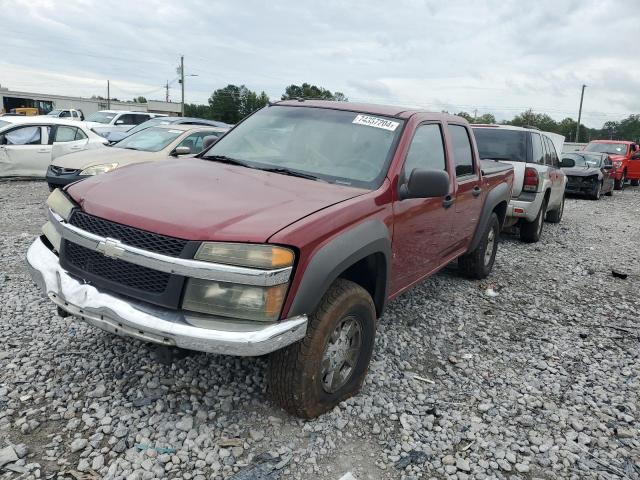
x=54, y=113
x=501, y=144
x=612, y=148
x=101, y=117
x=151, y=139
x=332, y=145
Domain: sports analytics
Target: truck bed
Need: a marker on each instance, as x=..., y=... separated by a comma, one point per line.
x=493, y=167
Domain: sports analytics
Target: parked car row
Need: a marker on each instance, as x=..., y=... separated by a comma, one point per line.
x=290, y=234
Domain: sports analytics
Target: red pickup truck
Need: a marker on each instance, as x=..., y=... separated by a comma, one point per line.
x=288, y=236
x=625, y=156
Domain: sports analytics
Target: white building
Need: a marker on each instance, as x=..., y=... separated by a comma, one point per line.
x=45, y=103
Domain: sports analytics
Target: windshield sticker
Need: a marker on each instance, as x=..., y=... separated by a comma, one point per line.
x=376, y=122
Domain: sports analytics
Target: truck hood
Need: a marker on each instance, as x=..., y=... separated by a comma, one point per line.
x=199, y=199
x=88, y=158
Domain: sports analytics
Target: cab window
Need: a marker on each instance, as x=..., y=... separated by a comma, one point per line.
x=426, y=150
x=462, y=152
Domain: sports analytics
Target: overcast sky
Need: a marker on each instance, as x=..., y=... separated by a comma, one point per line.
x=494, y=56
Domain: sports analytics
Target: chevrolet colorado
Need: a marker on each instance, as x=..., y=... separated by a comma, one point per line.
x=288, y=236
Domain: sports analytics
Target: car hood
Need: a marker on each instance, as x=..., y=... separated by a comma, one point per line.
x=198, y=199
x=88, y=158
x=581, y=171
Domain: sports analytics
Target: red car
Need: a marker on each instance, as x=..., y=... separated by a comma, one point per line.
x=625, y=156
x=288, y=236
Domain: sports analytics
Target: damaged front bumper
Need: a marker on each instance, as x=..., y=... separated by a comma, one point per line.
x=149, y=323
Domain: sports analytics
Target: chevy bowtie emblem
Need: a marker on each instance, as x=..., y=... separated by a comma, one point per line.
x=110, y=247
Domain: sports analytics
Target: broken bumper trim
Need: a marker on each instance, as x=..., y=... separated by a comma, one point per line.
x=148, y=323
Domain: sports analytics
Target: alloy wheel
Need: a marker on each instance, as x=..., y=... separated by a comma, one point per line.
x=341, y=354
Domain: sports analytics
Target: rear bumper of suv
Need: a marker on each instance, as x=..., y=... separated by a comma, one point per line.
x=525, y=209
x=149, y=323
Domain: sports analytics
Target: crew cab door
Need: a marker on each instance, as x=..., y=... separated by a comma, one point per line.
x=66, y=140
x=422, y=226
x=24, y=151
x=633, y=167
x=468, y=196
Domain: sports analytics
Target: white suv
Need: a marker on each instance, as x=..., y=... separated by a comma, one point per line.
x=539, y=182
x=117, y=120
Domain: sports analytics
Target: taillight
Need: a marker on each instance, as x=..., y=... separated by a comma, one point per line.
x=531, y=180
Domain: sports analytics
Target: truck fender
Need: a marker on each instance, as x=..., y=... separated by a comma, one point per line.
x=335, y=257
x=501, y=193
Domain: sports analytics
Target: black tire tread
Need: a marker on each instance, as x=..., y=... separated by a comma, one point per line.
x=286, y=364
x=471, y=264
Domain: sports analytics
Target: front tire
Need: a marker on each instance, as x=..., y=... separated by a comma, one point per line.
x=479, y=263
x=530, y=231
x=330, y=363
x=619, y=184
x=554, y=216
x=597, y=192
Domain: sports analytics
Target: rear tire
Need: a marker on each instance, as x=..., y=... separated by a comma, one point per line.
x=619, y=184
x=635, y=183
x=330, y=363
x=479, y=263
x=554, y=216
x=596, y=194
x=530, y=231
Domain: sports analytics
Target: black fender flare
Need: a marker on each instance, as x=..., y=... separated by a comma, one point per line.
x=501, y=193
x=335, y=257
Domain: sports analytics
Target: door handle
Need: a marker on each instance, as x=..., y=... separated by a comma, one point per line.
x=43, y=151
x=476, y=191
x=76, y=148
x=448, y=201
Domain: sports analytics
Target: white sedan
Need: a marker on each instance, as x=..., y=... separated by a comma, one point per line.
x=29, y=144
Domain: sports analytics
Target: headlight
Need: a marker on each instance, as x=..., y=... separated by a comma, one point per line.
x=59, y=203
x=246, y=302
x=98, y=169
x=246, y=255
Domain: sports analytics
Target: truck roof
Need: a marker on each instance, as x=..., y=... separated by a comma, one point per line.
x=370, y=108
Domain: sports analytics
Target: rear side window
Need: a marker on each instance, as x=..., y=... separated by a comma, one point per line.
x=65, y=134
x=30, y=135
x=426, y=150
x=80, y=135
x=537, y=152
x=552, y=156
x=462, y=153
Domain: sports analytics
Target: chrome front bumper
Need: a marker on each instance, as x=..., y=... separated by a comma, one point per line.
x=149, y=323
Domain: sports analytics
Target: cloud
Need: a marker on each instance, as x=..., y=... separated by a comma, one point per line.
x=491, y=55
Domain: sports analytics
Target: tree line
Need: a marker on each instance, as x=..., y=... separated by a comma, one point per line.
x=232, y=103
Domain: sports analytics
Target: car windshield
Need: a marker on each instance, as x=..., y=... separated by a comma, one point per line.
x=501, y=144
x=612, y=148
x=149, y=123
x=332, y=145
x=101, y=117
x=584, y=160
x=54, y=113
x=151, y=139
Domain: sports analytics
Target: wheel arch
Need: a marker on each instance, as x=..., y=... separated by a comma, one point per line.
x=361, y=254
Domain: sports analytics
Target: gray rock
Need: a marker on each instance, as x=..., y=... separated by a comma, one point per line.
x=78, y=444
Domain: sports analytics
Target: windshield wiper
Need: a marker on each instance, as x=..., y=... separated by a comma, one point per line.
x=293, y=173
x=227, y=160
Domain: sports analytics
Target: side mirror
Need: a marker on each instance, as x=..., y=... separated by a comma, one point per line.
x=181, y=151
x=567, y=163
x=208, y=141
x=425, y=183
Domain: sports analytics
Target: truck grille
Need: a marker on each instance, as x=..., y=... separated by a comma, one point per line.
x=131, y=236
x=114, y=270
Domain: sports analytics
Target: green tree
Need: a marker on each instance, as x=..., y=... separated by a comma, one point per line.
x=198, y=111
x=232, y=103
x=532, y=119
x=140, y=99
x=307, y=90
x=251, y=102
x=485, y=118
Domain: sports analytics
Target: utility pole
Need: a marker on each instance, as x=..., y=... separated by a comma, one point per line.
x=182, y=84
x=167, y=94
x=108, y=96
x=580, y=115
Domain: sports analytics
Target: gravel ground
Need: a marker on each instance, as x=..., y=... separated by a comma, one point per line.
x=533, y=373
